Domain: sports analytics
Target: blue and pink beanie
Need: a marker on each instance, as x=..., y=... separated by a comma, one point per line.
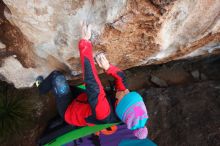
x=132, y=111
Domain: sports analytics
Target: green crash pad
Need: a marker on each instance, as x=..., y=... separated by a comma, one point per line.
x=78, y=133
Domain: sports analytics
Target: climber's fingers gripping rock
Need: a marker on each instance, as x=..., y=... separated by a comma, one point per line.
x=102, y=61
x=86, y=30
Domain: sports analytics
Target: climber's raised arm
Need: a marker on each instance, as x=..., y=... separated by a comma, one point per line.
x=115, y=72
x=94, y=89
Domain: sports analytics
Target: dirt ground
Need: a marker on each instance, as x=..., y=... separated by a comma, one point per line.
x=183, y=102
x=184, y=115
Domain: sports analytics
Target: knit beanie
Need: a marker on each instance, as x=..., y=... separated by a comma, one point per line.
x=132, y=111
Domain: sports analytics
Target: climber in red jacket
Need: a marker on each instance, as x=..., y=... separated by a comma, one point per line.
x=91, y=106
x=79, y=107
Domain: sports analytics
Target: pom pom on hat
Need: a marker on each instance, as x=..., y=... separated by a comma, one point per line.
x=141, y=133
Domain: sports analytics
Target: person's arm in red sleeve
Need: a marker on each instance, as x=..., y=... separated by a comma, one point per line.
x=120, y=79
x=85, y=50
x=119, y=76
x=94, y=89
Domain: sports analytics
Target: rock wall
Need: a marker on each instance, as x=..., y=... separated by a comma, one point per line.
x=38, y=36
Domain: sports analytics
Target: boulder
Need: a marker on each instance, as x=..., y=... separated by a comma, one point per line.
x=43, y=34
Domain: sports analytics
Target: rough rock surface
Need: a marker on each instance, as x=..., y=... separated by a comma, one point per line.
x=39, y=36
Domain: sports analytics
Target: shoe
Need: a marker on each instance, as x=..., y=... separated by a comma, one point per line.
x=39, y=80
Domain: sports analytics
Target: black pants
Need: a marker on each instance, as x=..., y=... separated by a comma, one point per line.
x=64, y=94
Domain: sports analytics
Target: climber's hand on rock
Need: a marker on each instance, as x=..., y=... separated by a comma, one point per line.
x=102, y=61
x=86, y=30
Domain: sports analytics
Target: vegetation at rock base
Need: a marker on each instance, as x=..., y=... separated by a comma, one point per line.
x=15, y=115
